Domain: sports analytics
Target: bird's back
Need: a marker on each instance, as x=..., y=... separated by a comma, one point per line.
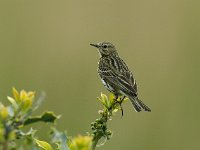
x=113, y=69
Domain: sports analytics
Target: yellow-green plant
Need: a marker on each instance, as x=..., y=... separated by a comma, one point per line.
x=99, y=128
x=18, y=114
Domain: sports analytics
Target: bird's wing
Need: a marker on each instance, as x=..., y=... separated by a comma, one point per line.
x=119, y=76
x=128, y=74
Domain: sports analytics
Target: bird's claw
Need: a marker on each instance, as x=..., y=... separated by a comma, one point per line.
x=121, y=110
x=120, y=103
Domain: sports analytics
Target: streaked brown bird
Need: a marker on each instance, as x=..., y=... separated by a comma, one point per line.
x=116, y=76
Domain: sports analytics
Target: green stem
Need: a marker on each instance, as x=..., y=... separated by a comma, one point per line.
x=95, y=141
x=99, y=127
x=5, y=145
x=98, y=136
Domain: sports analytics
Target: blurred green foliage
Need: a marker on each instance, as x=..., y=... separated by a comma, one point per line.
x=45, y=46
x=18, y=114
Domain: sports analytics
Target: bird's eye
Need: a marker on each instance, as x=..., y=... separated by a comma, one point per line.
x=105, y=46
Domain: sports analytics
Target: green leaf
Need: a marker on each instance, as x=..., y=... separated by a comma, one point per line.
x=39, y=101
x=13, y=102
x=47, y=116
x=60, y=139
x=105, y=101
x=101, y=101
x=104, y=97
x=30, y=133
x=44, y=145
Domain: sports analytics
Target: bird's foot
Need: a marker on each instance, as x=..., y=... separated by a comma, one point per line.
x=121, y=110
x=119, y=102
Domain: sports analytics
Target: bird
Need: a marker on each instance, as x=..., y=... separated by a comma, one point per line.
x=116, y=76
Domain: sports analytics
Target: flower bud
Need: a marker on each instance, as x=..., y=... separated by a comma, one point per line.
x=3, y=112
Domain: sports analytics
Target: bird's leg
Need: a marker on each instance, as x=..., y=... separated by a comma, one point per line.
x=122, y=99
x=121, y=110
x=120, y=104
x=116, y=97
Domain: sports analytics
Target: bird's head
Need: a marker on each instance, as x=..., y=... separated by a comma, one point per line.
x=105, y=48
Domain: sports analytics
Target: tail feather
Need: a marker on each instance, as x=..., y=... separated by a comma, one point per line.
x=145, y=107
x=136, y=106
x=139, y=105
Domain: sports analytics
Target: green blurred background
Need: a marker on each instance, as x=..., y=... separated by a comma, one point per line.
x=44, y=46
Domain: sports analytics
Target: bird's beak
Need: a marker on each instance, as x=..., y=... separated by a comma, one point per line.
x=95, y=45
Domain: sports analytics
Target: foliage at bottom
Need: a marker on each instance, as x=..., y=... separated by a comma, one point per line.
x=17, y=115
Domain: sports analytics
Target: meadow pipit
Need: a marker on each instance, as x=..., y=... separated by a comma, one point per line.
x=116, y=76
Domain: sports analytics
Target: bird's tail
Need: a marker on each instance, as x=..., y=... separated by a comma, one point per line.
x=138, y=104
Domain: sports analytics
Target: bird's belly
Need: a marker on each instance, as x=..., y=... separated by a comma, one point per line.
x=108, y=86
x=111, y=88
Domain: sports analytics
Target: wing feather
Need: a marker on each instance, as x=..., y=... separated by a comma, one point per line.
x=120, y=76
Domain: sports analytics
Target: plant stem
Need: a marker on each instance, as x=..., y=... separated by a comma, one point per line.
x=99, y=126
x=95, y=141
x=99, y=135
x=5, y=145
